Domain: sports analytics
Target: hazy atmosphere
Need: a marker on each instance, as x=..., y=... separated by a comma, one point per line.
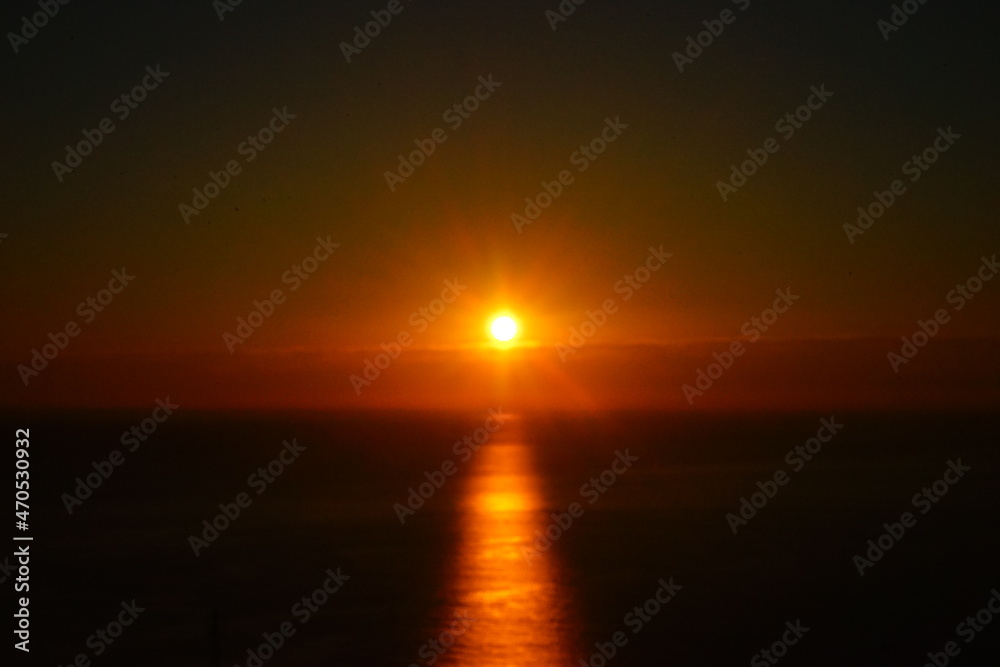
x=488, y=334
x=838, y=111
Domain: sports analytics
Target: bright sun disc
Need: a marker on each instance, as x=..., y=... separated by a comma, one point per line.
x=503, y=328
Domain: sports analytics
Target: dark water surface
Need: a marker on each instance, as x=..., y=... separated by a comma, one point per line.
x=465, y=570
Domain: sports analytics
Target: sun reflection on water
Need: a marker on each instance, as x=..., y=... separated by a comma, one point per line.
x=520, y=606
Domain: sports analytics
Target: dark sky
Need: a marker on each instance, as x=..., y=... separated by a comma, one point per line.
x=324, y=176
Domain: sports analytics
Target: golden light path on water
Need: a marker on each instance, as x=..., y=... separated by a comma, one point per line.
x=522, y=610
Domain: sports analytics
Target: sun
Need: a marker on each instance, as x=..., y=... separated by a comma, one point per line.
x=503, y=328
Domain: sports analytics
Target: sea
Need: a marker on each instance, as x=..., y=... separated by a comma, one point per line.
x=505, y=539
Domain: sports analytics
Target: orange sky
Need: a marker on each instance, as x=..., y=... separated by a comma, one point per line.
x=592, y=115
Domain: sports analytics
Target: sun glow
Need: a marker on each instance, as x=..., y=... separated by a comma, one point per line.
x=503, y=328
